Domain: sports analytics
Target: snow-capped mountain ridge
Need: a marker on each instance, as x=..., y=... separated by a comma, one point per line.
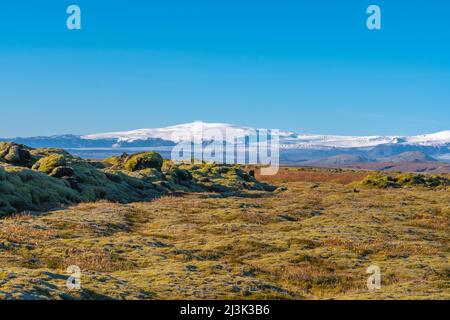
x=288, y=139
x=295, y=148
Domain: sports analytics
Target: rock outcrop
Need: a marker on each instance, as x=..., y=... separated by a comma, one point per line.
x=15, y=154
x=42, y=179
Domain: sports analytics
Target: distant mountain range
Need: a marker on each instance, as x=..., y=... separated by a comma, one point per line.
x=296, y=148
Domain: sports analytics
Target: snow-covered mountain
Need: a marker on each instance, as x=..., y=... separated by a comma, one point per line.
x=295, y=147
x=175, y=134
x=287, y=139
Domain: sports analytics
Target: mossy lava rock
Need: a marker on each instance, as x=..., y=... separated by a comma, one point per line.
x=141, y=161
x=60, y=172
x=49, y=163
x=15, y=154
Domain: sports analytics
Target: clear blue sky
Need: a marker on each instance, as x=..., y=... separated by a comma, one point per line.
x=308, y=66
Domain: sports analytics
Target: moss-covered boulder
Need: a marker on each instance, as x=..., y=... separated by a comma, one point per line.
x=135, y=162
x=142, y=161
x=148, y=175
x=431, y=181
x=22, y=189
x=15, y=154
x=57, y=178
x=60, y=172
x=49, y=163
x=179, y=176
x=381, y=180
x=116, y=162
x=223, y=178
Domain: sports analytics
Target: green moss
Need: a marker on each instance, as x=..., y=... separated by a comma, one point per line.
x=116, y=162
x=50, y=162
x=141, y=161
x=240, y=247
x=22, y=189
x=16, y=154
x=380, y=180
x=58, y=178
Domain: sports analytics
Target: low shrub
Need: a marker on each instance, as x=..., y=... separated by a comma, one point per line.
x=380, y=180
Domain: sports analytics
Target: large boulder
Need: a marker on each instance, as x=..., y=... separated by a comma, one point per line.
x=142, y=161
x=60, y=172
x=49, y=163
x=116, y=162
x=15, y=154
x=179, y=176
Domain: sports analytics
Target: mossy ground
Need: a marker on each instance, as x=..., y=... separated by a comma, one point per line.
x=314, y=240
x=379, y=180
x=36, y=180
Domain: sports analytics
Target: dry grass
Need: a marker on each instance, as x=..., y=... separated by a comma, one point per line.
x=17, y=233
x=314, y=240
x=313, y=175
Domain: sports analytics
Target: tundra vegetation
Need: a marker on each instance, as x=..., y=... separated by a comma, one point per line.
x=140, y=227
x=37, y=180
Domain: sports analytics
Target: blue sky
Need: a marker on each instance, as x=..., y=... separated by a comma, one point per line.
x=308, y=66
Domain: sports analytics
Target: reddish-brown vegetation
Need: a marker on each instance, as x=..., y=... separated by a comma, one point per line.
x=313, y=175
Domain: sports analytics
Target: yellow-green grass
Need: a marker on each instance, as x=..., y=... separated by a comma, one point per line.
x=313, y=240
x=38, y=180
